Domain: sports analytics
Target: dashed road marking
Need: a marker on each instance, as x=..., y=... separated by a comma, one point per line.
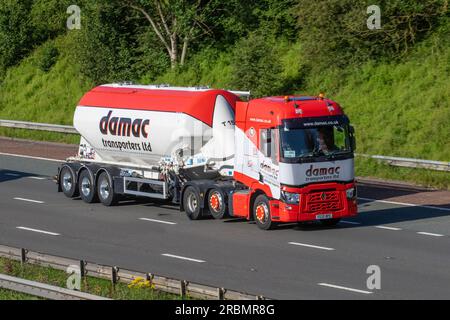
x=344, y=288
x=311, y=246
x=157, y=221
x=388, y=228
x=431, y=234
x=39, y=231
x=351, y=222
x=182, y=258
x=29, y=200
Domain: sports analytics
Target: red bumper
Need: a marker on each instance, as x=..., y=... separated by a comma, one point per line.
x=327, y=200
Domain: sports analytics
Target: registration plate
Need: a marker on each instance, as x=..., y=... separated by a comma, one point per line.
x=324, y=216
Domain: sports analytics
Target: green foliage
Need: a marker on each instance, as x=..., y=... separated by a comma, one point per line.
x=335, y=32
x=16, y=33
x=47, y=56
x=256, y=66
x=105, y=47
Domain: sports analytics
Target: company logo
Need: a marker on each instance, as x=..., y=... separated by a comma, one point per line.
x=319, y=172
x=124, y=126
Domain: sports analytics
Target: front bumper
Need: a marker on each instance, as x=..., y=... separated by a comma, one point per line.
x=312, y=208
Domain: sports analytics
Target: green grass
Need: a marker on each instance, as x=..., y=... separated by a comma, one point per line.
x=376, y=169
x=12, y=295
x=29, y=94
x=91, y=285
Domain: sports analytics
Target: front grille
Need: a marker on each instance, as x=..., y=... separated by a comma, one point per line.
x=323, y=201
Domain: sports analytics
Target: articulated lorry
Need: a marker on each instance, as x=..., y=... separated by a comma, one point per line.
x=214, y=153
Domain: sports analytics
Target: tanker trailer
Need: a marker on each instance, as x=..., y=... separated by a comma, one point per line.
x=274, y=160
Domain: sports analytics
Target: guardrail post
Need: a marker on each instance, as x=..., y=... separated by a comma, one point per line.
x=183, y=285
x=23, y=255
x=82, y=268
x=114, y=275
x=149, y=278
x=220, y=293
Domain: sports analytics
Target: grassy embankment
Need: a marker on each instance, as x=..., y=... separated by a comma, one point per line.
x=399, y=108
x=91, y=285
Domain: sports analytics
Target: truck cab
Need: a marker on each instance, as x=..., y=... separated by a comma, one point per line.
x=295, y=157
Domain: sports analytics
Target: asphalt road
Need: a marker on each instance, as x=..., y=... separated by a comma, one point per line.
x=410, y=244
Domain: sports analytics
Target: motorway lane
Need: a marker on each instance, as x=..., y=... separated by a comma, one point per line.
x=237, y=255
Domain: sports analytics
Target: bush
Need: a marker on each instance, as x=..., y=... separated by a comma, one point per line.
x=256, y=66
x=47, y=56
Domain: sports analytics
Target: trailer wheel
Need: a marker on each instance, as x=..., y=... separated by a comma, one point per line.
x=191, y=202
x=87, y=187
x=68, y=182
x=105, y=190
x=262, y=214
x=217, y=204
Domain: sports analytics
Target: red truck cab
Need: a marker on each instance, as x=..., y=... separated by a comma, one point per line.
x=295, y=156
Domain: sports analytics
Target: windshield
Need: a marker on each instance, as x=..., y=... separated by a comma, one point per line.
x=314, y=142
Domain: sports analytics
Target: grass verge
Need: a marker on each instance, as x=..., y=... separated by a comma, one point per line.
x=427, y=178
x=90, y=285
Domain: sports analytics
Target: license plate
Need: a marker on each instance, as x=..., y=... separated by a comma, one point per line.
x=324, y=216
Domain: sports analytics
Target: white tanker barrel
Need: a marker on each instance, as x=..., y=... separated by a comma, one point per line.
x=142, y=125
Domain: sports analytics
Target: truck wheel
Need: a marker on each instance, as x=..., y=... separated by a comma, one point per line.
x=68, y=182
x=191, y=202
x=330, y=222
x=105, y=190
x=261, y=213
x=217, y=204
x=87, y=187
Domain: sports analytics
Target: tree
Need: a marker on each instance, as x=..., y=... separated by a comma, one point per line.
x=256, y=66
x=176, y=22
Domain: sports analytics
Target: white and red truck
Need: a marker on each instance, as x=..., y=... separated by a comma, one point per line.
x=215, y=152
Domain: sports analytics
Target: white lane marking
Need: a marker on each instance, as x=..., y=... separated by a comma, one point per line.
x=388, y=228
x=12, y=174
x=39, y=231
x=158, y=221
x=29, y=157
x=343, y=288
x=431, y=234
x=29, y=200
x=405, y=204
x=182, y=258
x=311, y=246
x=36, y=178
x=350, y=222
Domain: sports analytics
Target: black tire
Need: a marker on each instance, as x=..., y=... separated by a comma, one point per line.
x=105, y=190
x=217, y=203
x=191, y=203
x=86, y=187
x=68, y=182
x=330, y=222
x=262, y=214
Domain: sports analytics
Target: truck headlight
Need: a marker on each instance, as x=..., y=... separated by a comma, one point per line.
x=290, y=198
x=351, y=193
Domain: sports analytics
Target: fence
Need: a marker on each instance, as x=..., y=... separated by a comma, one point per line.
x=393, y=161
x=115, y=275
